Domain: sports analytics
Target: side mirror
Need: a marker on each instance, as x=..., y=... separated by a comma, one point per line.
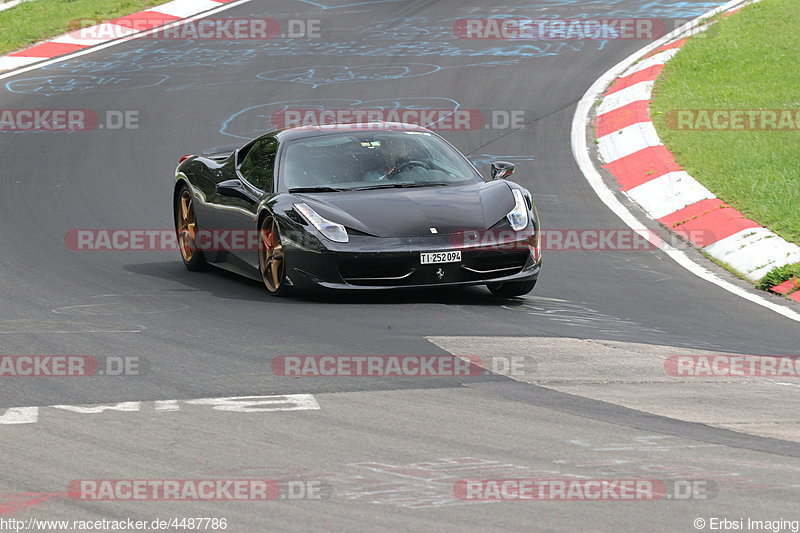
x=502, y=170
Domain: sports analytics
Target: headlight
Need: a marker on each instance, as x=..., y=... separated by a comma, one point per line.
x=518, y=217
x=332, y=230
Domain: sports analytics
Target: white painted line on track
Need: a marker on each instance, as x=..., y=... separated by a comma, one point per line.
x=183, y=8
x=233, y=404
x=13, y=3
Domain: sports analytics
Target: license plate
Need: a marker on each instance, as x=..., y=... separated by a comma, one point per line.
x=432, y=258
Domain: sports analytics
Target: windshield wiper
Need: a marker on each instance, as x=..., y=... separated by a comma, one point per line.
x=426, y=184
x=381, y=186
x=401, y=186
x=315, y=189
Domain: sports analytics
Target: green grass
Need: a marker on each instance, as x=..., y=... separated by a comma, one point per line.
x=778, y=275
x=31, y=22
x=748, y=61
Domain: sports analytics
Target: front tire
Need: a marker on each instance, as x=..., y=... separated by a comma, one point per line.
x=186, y=228
x=271, y=258
x=512, y=288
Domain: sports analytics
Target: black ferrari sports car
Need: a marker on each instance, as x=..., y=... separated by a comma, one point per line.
x=371, y=206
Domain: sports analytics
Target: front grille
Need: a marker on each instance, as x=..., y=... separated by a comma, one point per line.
x=376, y=271
x=405, y=269
x=495, y=263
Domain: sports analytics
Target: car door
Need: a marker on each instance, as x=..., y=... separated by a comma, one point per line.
x=237, y=199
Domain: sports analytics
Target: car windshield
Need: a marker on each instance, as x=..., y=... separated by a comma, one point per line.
x=369, y=160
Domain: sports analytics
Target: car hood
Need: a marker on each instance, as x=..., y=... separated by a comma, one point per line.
x=414, y=211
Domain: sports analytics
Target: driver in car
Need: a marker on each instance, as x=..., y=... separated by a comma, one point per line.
x=393, y=162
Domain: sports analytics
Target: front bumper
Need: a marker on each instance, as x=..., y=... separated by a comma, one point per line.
x=393, y=263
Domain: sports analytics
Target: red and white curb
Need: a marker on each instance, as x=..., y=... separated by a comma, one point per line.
x=647, y=173
x=118, y=28
x=584, y=154
x=790, y=288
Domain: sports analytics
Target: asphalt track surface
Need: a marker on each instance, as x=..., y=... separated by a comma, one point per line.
x=209, y=335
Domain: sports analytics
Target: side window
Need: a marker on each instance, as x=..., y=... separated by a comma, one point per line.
x=258, y=166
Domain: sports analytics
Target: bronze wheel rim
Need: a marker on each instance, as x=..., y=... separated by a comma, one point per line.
x=187, y=226
x=270, y=256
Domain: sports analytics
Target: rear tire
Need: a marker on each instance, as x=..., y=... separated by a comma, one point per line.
x=186, y=229
x=512, y=288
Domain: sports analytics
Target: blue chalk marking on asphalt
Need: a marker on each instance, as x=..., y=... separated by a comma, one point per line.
x=411, y=36
x=332, y=4
x=262, y=114
x=347, y=74
x=331, y=74
x=326, y=75
x=603, y=9
x=50, y=85
x=420, y=38
x=150, y=56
